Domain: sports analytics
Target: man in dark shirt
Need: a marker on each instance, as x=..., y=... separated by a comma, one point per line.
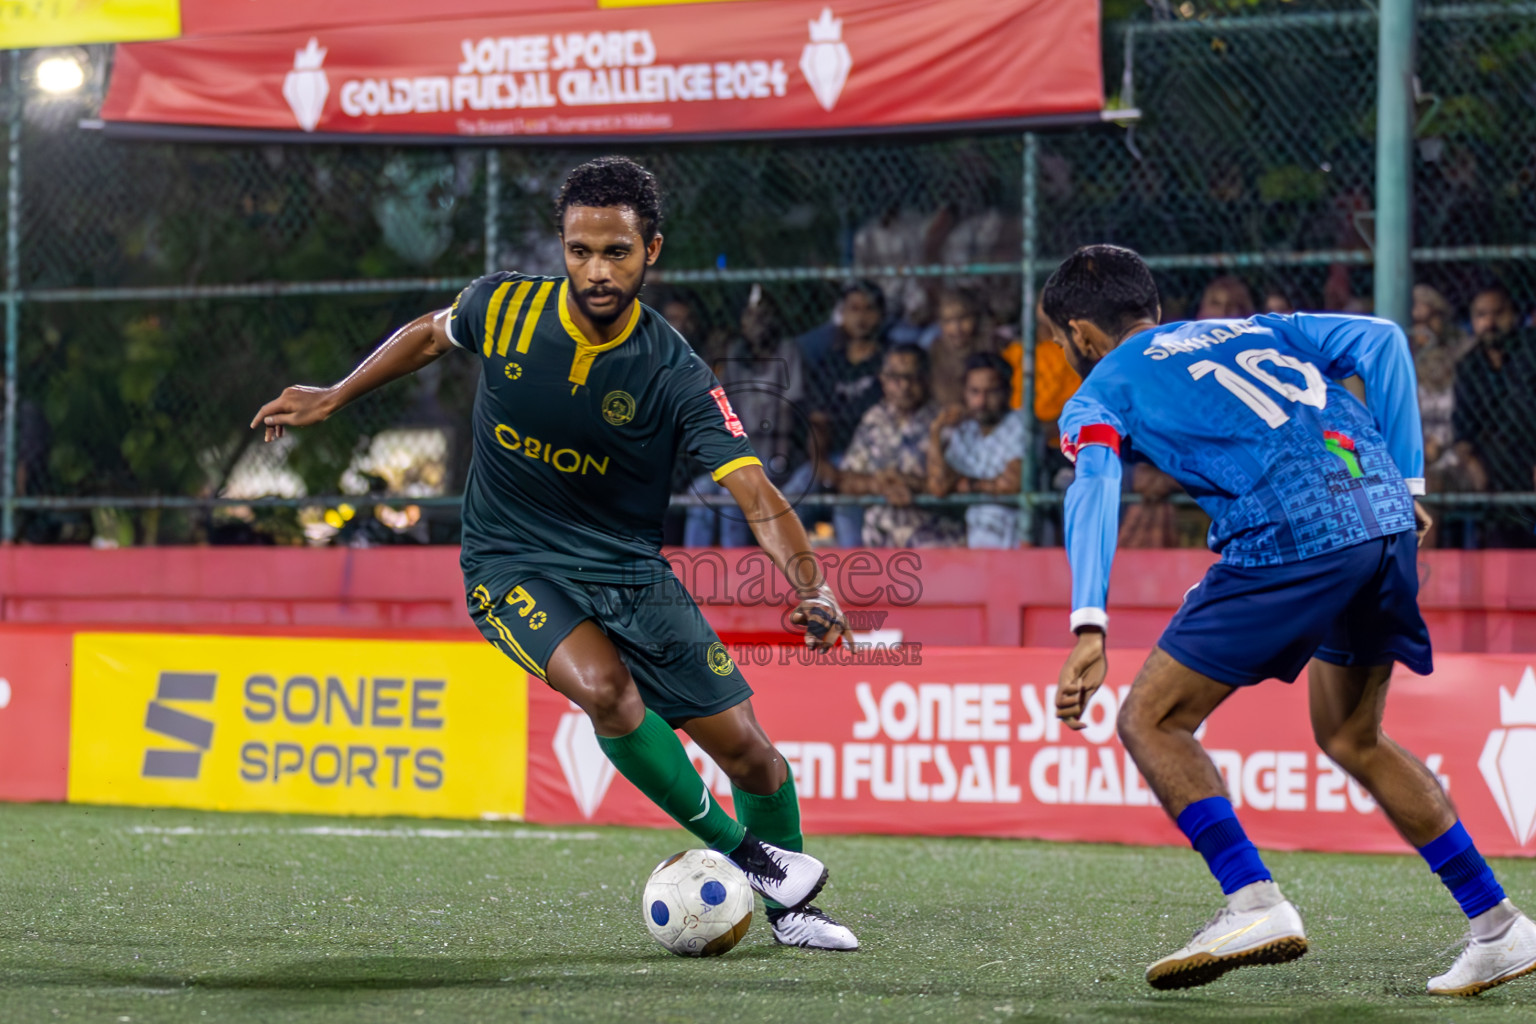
x=585, y=396
x=1494, y=385
x=842, y=384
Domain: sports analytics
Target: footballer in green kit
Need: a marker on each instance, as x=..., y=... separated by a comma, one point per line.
x=585, y=397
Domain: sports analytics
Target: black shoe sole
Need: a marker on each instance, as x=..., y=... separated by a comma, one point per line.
x=1203, y=968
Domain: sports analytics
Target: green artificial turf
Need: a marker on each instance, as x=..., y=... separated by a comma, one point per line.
x=121, y=915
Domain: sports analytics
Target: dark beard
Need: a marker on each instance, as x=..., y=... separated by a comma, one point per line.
x=605, y=319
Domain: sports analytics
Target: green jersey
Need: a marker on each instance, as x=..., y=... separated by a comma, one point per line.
x=574, y=441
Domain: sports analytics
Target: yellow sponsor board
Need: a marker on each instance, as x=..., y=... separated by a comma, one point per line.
x=27, y=23
x=314, y=726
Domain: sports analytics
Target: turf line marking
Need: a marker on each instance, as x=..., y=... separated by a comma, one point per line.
x=361, y=833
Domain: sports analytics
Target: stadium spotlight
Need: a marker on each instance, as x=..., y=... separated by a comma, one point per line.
x=59, y=75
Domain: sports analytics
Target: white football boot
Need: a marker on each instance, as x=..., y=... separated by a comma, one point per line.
x=1257, y=926
x=1500, y=948
x=787, y=878
x=810, y=928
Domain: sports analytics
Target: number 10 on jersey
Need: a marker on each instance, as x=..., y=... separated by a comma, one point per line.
x=1314, y=394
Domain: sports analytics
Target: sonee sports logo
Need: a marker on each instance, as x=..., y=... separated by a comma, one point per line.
x=178, y=725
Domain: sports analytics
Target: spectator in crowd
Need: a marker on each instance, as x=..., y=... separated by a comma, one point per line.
x=1278, y=300
x=978, y=448
x=1434, y=324
x=681, y=308
x=961, y=336
x=762, y=374
x=898, y=238
x=1491, y=417
x=888, y=457
x=1225, y=298
x=1444, y=467
x=860, y=310
x=841, y=385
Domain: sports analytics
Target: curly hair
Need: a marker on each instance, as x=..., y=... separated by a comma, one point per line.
x=613, y=181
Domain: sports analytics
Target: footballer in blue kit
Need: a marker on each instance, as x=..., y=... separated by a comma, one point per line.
x=1312, y=503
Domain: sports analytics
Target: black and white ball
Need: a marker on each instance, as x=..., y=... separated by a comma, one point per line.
x=697, y=903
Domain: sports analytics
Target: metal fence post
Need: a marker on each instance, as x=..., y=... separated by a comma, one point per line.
x=1394, y=161
x=1027, y=482
x=12, y=296
x=492, y=208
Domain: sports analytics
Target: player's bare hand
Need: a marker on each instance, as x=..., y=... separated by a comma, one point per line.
x=1081, y=678
x=823, y=620
x=1422, y=521
x=298, y=406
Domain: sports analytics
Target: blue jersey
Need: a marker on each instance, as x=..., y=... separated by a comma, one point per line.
x=1249, y=417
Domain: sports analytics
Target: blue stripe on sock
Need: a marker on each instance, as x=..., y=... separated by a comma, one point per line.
x=1213, y=829
x=1454, y=857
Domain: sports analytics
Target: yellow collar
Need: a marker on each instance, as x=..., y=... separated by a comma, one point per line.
x=587, y=350
x=582, y=341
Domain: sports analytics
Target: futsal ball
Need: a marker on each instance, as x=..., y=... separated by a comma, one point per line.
x=697, y=903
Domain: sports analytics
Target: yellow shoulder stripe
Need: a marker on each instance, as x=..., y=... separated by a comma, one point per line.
x=732, y=466
x=507, y=322
x=534, y=312
x=491, y=310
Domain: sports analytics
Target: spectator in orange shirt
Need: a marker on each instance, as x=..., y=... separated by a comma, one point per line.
x=1055, y=380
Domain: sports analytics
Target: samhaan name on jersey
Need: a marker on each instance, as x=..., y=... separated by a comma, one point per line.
x=566, y=460
x=1164, y=347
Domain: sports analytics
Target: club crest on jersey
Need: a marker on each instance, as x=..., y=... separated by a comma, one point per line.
x=618, y=407
x=732, y=421
x=720, y=662
x=513, y=370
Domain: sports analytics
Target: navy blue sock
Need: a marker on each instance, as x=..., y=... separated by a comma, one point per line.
x=1455, y=859
x=1213, y=829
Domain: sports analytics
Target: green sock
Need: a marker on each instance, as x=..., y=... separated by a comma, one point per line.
x=652, y=758
x=774, y=818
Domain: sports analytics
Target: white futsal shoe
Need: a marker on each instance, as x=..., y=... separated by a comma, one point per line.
x=810, y=928
x=1257, y=926
x=787, y=878
x=1499, y=949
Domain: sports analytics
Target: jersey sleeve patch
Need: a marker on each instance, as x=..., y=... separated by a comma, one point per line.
x=1093, y=433
x=732, y=421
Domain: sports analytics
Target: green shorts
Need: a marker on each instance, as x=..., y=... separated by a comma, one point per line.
x=678, y=663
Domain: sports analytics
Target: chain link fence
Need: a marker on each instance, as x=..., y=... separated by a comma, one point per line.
x=163, y=291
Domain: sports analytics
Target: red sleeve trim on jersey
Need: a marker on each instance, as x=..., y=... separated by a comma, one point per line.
x=732, y=421
x=1094, y=433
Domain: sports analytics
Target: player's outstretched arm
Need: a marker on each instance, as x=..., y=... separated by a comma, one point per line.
x=407, y=350
x=1378, y=352
x=779, y=530
x=1092, y=521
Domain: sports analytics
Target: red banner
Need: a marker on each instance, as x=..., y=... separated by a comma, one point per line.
x=34, y=712
x=962, y=742
x=221, y=17
x=769, y=67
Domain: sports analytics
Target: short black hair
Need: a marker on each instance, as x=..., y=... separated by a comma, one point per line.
x=1494, y=288
x=864, y=286
x=990, y=361
x=1106, y=285
x=613, y=181
x=907, y=348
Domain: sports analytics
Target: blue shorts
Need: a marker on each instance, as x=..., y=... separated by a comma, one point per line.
x=1355, y=606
